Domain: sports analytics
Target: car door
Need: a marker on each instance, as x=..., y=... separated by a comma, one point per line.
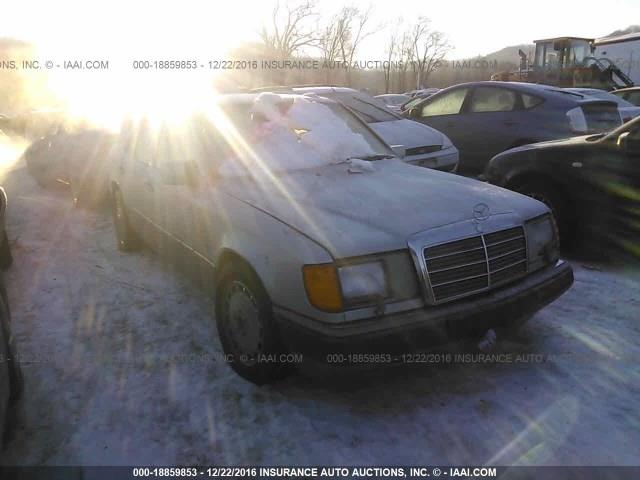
x=494, y=123
x=445, y=113
x=185, y=209
x=136, y=178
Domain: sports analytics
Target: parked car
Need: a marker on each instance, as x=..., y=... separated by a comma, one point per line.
x=422, y=92
x=486, y=118
x=424, y=146
x=6, y=258
x=76, y=159
x=318, y=240
x=628, y=111
x=631, y=95
x=591, y=183
x=415, y=99
x=393, y=100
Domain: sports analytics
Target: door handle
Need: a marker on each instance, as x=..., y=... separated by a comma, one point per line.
x=510, y=123
x=148, y=183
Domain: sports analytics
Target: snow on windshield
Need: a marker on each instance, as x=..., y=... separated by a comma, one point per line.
x=291, y=133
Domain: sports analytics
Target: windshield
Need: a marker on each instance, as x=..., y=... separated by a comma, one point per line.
x=412, y=103
x=368, y=108
x=276, y=134
x=393, y=99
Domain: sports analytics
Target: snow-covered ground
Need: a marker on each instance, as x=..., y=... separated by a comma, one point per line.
x=122, y=366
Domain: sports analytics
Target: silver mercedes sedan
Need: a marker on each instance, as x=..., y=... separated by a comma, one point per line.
x=317, y=241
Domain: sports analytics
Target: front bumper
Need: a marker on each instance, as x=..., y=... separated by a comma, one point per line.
x=429, y=326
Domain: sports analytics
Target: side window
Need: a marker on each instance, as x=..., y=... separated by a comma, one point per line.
x=493, y=99
x=529, y=101
x=633, y=97
x=447, y=104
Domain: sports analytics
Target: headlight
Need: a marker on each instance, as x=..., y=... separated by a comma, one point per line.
x=446, y=142
x=364, y=283
x=577, y=120
x=333, y=289
x=542, y=241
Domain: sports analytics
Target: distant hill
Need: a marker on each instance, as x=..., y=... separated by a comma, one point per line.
x=624, y=31
x=510, y=54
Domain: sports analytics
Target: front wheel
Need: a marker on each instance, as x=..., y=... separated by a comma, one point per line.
x=247, y=331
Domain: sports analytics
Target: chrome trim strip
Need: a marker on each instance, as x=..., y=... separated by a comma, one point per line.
x=508, y=253
x=459, y=280
x=458, y=266
x=450, y=254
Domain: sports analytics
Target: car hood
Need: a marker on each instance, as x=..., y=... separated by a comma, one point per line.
x=353, y=214
x=561, y=143
x=408, y=133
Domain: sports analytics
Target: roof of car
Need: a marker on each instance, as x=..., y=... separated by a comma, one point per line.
x=240, y=98
x=524, y=87
x=306, y=88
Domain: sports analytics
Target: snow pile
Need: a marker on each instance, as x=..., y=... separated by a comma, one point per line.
x=291, y=133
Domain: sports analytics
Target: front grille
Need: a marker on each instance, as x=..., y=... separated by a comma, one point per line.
x=476, y=264
x=422, y=150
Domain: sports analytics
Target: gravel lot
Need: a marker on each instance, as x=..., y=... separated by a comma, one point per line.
x=121, y=363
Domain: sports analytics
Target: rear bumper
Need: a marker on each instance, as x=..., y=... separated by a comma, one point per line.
x=429, y=326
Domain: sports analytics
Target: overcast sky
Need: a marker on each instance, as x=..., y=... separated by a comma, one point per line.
x=205, y=28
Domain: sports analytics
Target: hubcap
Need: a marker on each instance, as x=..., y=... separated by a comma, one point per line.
x=244, y=325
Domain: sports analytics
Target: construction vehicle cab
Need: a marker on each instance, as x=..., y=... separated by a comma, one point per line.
x=569, y=62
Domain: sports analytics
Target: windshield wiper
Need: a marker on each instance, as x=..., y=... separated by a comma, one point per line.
x=371, y=158
x=377, y=156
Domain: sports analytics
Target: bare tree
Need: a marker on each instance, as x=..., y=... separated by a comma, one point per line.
x=392, y=54
x=344, y=34
x=289, y=30
x=405, y=56
x=331, y=42
x=356, y=33
x=429, y=49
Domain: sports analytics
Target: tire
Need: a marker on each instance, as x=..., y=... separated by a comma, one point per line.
x=125, y=236
x=557, y=203
x=16, y=380
x=246, y=327
x=6, y=258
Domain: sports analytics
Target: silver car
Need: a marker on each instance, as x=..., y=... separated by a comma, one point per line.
x=423, y=145
x=316, y=240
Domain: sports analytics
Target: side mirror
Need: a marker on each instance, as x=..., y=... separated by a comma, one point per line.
x=399, y=150
x=413, y=112
x=622, y=141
